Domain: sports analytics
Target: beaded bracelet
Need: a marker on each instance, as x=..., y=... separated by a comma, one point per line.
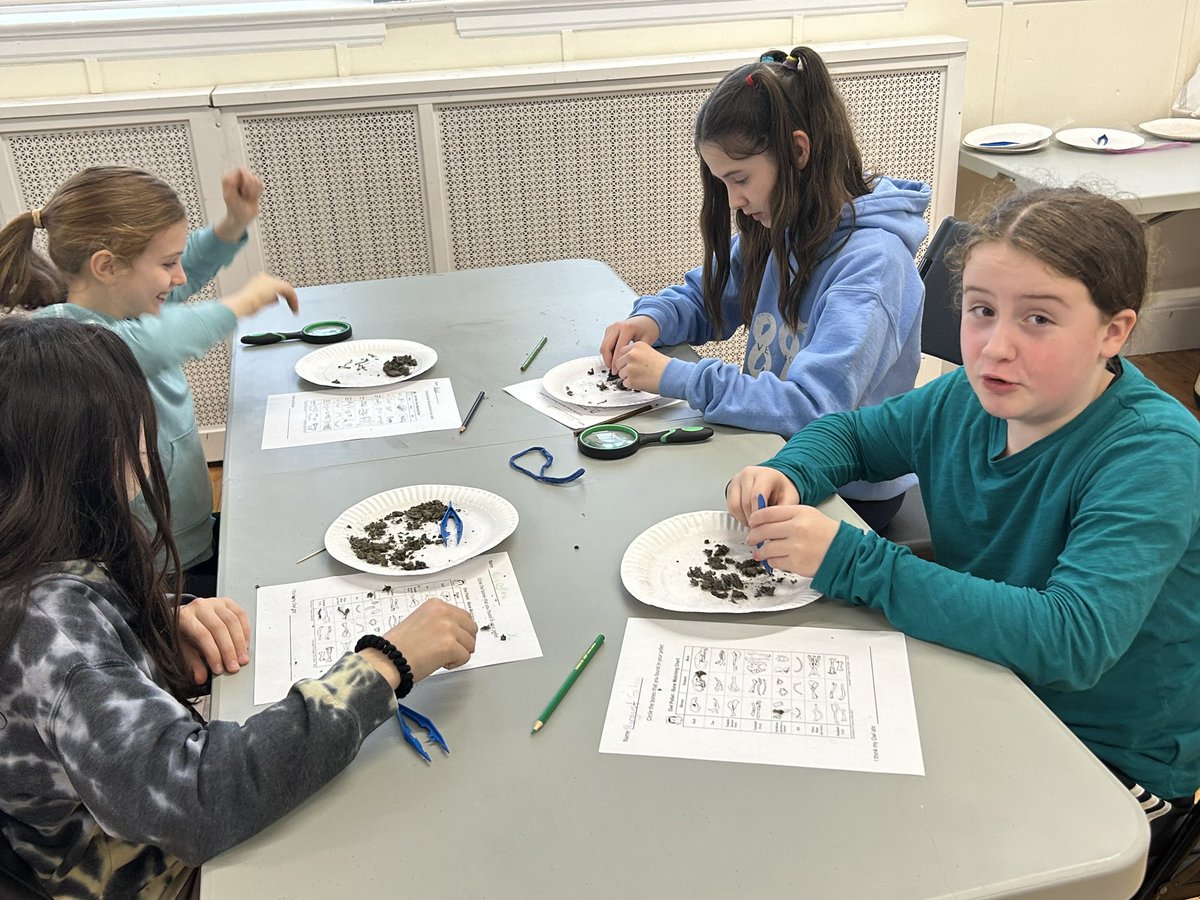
x=386, y=647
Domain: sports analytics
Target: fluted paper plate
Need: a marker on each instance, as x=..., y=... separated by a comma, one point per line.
x=578, y=383
x=654, y=567
x=487, y=520
x=359, y=364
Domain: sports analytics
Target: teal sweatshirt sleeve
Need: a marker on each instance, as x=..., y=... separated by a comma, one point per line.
x=1068, y=633
x=1038, y=550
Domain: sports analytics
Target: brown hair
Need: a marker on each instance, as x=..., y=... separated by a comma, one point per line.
x=74, y=408
x=755, y=109
x=114, y=208
x=1077, y=233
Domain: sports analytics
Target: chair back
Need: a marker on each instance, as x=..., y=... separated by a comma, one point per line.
x=940, y=320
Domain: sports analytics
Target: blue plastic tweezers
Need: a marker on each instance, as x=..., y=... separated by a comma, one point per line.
x=402, y=713
x=451, y=515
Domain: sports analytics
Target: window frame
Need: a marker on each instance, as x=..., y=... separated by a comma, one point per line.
x=70, y=30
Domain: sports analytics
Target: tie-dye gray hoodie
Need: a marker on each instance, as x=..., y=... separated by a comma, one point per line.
x=109, y=787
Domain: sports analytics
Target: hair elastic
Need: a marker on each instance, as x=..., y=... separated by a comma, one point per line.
x=750, y=79
x=388, y=649
x=37, y=217
x=791, y=62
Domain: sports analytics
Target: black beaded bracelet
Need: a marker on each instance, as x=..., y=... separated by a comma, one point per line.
x=386, y=647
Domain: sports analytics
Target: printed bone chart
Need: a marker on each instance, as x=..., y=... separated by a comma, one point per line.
x=322, y=417
x=301, y=629
x=815, y=697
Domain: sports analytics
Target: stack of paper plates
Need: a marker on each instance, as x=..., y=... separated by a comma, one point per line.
x=1174, y=129
x=1013, y=137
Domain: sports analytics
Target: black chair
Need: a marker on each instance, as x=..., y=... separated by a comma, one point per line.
x=1175, y=875
x=940, y=319
x=939, y=338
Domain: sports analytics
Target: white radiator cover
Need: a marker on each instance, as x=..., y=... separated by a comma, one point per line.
x=406, y=175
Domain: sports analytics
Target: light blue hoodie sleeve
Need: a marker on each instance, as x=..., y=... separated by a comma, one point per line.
x=178, y=333
x=858, y=340
x=204, y=255
x=679, y=310
x=853, y=343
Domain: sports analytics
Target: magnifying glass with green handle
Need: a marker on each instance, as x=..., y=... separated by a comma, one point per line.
x=328, y=332
x=619, y=441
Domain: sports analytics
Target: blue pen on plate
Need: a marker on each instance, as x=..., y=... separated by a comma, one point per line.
x=762, y=502
x=998, y=144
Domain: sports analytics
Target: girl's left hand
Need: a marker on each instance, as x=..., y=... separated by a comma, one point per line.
x=794, y=538
x=640, y=366
x=241, y=189
x=215, y=634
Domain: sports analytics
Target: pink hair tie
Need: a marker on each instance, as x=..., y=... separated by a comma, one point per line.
x=750, y=79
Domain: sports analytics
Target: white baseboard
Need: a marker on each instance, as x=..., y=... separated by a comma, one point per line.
x=1170, y=320
x=213, y=442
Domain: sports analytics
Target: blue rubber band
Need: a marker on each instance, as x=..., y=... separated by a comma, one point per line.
x=541, y=474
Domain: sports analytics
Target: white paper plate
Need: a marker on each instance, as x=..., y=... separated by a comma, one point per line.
x=487, y=520
x=360, y=363
x=1178, y=128
x=579, y=381
x=1101, y=140
x=654, y=567
x=995, y=138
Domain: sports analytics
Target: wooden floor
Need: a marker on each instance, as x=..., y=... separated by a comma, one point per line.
x=1175, y=373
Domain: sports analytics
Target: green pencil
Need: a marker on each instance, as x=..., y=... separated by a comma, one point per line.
x=534, y=352
x=566, y=685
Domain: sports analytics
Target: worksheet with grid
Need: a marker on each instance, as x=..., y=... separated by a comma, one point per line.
x=819, y=697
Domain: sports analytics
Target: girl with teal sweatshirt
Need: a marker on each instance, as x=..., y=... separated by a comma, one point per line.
x=1062, y=489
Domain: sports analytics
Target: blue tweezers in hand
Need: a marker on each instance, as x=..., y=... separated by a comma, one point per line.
x=451, y=515
x=402, y=713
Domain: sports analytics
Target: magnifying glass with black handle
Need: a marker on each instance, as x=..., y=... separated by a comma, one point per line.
x=619, y=441
x=329, y=332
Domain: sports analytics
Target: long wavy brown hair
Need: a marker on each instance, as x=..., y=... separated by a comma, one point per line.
x=755, y=109
x=75, y=412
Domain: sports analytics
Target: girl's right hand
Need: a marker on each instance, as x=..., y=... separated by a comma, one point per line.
x=261, y=290
x=627, y=331
x=741, y=495
x=433, y=636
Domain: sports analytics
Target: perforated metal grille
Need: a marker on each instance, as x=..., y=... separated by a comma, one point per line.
x=344, y=195
x=897, y=119
x=609, y=177
x=42, y=160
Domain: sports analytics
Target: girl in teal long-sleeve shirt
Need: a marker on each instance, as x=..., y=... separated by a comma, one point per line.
x=121, y=256
x=1062, y=489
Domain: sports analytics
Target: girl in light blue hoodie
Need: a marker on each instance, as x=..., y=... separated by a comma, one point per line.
x=121, y=256
x=820, y=271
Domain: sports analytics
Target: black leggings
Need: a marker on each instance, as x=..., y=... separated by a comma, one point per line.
x=877, y=513
x=201, y=579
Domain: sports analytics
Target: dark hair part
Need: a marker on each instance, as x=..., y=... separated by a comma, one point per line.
x=114, y=208
x=1077, y=233
x=74, y=407
x=755, y=109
